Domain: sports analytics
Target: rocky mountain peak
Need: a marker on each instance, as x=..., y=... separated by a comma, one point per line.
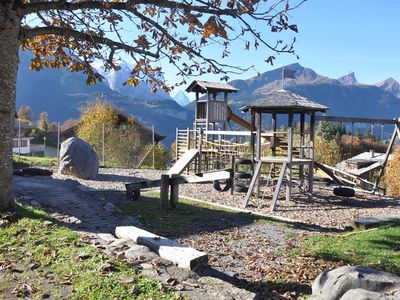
x=348, y=79
x=390, y=85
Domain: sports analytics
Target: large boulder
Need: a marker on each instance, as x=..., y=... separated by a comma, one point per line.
x=355, y=283
x=78, y=158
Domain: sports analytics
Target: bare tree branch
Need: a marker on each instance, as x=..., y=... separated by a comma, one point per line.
x=28, y=8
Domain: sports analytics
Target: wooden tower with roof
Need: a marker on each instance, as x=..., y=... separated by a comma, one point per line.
x=211, y=112
x=299, y=151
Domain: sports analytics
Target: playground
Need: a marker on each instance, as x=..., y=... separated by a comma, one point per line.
x=273, y=170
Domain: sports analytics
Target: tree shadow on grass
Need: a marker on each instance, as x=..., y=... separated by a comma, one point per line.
x=262, y=289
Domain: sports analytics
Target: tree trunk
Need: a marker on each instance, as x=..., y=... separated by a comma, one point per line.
x=9, y=45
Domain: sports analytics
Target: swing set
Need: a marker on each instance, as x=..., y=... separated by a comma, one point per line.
x=346, y=178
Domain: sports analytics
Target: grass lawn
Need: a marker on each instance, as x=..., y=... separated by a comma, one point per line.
x=377, y=248
x=32, y=161
x=188, y=217
x=41, y=259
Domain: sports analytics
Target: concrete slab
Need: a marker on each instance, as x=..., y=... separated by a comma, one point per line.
x=374, y=221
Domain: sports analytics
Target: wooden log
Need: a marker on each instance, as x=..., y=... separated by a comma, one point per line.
x=174, y=196
x=181, y=255
x=164, y=191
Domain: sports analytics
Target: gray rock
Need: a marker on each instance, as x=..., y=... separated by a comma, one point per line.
x=360, y=294
x=333, y=284
x=78, y=158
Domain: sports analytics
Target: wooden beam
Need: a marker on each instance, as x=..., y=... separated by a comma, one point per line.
x=302, y=145
x=201, y=178
x=131, y=187
x=311, y=166
x=181, y=255
x=183, y=162
x=252, y=136
x=290, y=157
x=396, y=132
x=278, y=187
x=356, y=120
x=253, y=181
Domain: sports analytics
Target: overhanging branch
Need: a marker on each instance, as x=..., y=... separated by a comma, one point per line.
x=29, y=8
x=38, y=31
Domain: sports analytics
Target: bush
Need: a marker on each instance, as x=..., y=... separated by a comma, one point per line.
x=392, y=174
x=121, y=137
x=160, y=154
x=327, y=152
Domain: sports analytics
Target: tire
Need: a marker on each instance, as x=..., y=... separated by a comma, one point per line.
x=242, y=175
x=344, y=191
x=243, y=161
x=240, y=188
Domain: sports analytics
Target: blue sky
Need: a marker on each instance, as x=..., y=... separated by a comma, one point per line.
x=335, y=37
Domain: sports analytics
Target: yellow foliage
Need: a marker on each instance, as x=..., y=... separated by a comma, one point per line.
x=392, y=174
x=121, y=137
x=327, y=152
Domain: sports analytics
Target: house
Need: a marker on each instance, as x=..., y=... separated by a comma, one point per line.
x=22, y=145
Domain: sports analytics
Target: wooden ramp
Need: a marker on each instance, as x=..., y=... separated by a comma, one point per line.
x=183, y=162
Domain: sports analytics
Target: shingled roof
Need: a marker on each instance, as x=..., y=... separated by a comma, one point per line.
x=283, y=101
x=210, y=86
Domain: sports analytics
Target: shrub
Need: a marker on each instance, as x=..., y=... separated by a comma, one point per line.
x=392, y=174
x=327, y=152
x=121, y=137
x=160, y=154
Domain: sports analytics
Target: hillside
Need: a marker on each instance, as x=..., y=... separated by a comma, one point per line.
x=63, y=94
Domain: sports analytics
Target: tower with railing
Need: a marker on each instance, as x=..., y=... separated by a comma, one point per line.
x=211, y=104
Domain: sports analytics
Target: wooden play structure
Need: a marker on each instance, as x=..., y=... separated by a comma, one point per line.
x=207, y=152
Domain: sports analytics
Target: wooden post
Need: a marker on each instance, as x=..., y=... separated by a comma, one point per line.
x=311, y=165
x=233, y=172
x=174, y=197
x=258, y=122
x=199, y=166
x=302, y=144
x=388, y=150
x=164, y=189
x=154, y=141
x=278, y=187
x=188, y=138
x=252, y=136
x=176, y=143
x=273, y=141
x=290, y=158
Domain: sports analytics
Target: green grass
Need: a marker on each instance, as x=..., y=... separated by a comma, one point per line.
x=378, y=248
x=39, y=259
x=189, y=216
x=33, y=161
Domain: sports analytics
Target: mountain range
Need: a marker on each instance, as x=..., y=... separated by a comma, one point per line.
x=63, y=95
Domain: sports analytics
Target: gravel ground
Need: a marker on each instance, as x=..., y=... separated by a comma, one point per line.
x=324, y=210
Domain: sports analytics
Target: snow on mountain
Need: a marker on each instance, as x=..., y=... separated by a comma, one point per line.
x=116, y=79
x=181, y=98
